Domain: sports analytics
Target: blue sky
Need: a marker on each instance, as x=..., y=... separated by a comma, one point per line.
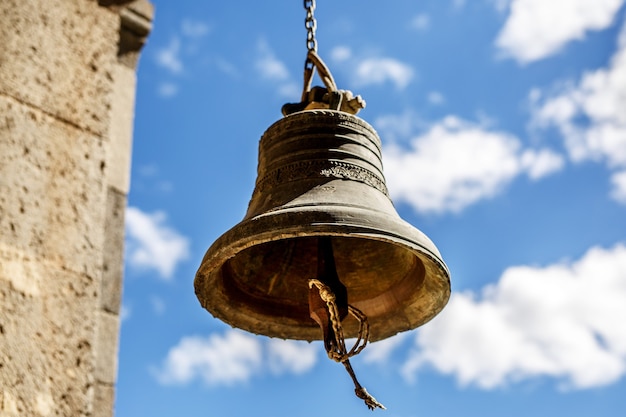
x=504, y=139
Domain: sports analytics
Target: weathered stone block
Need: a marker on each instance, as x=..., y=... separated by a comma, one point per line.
x=52, y=193
x=107, y=329
x=46, y=338
x=113, y=257
x=121, y=132
x=58, y=55
x=104, y=398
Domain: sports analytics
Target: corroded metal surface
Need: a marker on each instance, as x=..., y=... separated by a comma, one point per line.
x=320, y=174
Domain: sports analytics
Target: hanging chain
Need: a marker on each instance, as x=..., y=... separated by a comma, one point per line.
x=311, y=25
x=319, y=98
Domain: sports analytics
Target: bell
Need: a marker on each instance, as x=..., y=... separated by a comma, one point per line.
x=320, y=199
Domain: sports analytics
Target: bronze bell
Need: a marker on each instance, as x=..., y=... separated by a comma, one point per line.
x=320, y=188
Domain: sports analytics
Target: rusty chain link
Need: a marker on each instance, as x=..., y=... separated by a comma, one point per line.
x=311, y=25
x=317, y=98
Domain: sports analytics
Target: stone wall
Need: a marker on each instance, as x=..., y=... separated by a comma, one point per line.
x=67, y=87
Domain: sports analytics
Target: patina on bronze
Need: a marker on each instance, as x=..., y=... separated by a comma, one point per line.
x=320, y=174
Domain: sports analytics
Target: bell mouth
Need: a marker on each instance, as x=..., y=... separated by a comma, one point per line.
x=255, y=277
x=272, y=278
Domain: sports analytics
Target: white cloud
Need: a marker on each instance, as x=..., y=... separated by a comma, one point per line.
x=125, y=312
x=148, y=170
x=618, y=181
x=148, y=177
x=379, y=352
x=458, y=4
x=397, y=127
x=292, y=356
x=274, y=70
x=153, y=245
x=590, y=114
x=227, y=67
x=436, y=98
x=158, y=305
x=217, y=360
x=234, y=357
x=169, y=57
x=165, y=186
x=194, y=28
x=536, y=29
x=456, y=163
x=421, y=22
x=340, y=53
x=167, y=89
x=562, y=321
x=176, y=56
x=291, y=90
x=268, y=65
x=372, y=71
x=540, y=163
x=501, y=5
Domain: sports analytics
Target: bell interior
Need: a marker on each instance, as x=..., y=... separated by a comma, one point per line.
x=271, y=279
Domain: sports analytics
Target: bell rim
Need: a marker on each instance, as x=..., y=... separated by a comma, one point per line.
x=325, y=220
